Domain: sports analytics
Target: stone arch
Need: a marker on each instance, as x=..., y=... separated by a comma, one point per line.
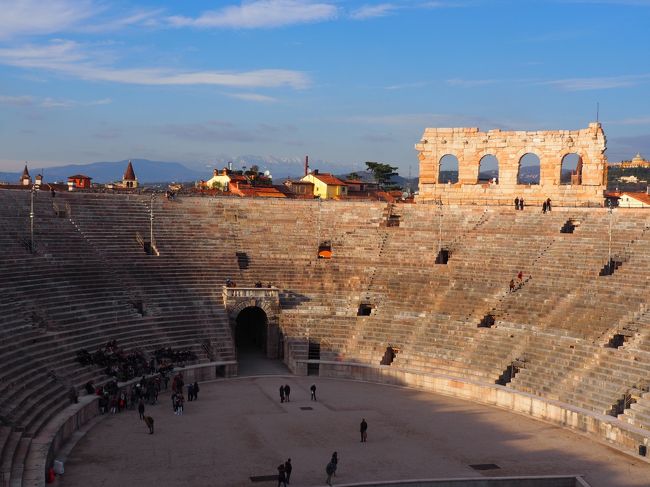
x=529, y=169
x=571, y=169
x=448, y=169
x=251, y=329
x=488, y=168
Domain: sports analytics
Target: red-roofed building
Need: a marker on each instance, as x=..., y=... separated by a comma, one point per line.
x=26, y=179
x=78, y=181
x=129, y=180
x=634, y=200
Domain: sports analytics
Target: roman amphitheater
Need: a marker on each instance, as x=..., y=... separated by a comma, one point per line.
x=485, y=345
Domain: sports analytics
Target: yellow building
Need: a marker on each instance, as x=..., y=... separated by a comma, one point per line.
x=326, y=186
x=637, y=161
x=219, y=180
x=634, y=200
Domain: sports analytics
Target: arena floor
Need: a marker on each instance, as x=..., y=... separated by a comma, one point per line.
x=238, y=429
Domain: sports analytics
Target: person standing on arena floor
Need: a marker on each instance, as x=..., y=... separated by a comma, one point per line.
x=196, y=391
x=287, y=470
x=287, y=391
x=363, y=428
x=281, y=393
x=148, y=420
x=141, y=408
x=282, y=476
x=313, y=392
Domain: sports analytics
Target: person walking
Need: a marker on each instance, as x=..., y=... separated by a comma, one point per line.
x=282, y=476
x=148, y=420
x=141, y=408
x=287, y=470
x=516, y=202
x=190, y=391
x=281, y=394
x=521, y=204
x=313, y=392
x=329, y=470
x=544, y=207
x=287, y=392
x=196, y=391
x=512, y=285
x=548, y=204
x=363, y=428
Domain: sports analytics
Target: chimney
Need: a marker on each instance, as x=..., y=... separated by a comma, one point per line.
x=306, y=165
x=315, y=172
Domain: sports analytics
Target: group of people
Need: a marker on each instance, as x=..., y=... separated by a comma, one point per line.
x=127, y=365
x=285, y=393
x=519, y=204
x=284, y=473
x=520, y=282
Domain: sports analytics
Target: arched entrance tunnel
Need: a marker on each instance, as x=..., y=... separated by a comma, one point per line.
x=251, y=328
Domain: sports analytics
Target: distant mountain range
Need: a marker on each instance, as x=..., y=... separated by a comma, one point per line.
x=105, y=172
x=158, y=171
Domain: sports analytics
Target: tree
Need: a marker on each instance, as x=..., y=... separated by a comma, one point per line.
x=354, y=175
x=382, y=172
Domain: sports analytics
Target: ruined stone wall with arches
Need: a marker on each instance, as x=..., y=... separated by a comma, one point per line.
x=467, y=166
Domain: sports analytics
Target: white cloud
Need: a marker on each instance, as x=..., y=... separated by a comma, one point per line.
x=253, y=97
x=630, y=121
x=598, y=83
x=44, y=17
x=371, y=11
x=18, y=101
x=69, y=58
x=29, y=17
x=470, y=83
x=260, y=14
x=48, y=102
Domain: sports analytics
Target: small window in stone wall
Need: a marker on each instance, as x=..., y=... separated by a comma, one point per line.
x=365, y=309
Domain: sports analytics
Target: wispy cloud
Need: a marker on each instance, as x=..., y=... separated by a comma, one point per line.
x=404, y=86
x=37, y=17
x=17, y=101
x=69, y=58
x=370, y=11
x=470, y=83
x=48, y=102
x=630, y=121
x=598, y=83
x=260, y=14
x=253, y=97
x=212, y=130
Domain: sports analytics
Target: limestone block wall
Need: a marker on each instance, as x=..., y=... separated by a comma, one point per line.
x=469, y=146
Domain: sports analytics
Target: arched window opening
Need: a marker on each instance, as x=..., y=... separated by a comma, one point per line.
x=448, y=169
x=571, y=172
x=529, y=169
x=488, y=170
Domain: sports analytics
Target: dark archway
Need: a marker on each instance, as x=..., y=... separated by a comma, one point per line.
x=529, y=169
x=251, y=330
x=571, y=171
x=448, y=169
x=488, y=169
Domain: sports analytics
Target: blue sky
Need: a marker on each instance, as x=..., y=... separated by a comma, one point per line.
x=342, y=81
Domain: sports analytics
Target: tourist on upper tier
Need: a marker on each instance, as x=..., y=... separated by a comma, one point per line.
x=520, y=276
x=258, y=284
x=287, y=392
x=313, y=392
x=521, y=204
x=364, y=430
x=548, y=204
x=281, y=393
x=544, y=207
x=517, y=203
x=512, y=285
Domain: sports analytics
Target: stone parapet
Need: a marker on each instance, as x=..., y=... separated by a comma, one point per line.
x=469, y=146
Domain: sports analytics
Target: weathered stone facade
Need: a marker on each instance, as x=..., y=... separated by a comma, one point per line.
x=469, y=146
